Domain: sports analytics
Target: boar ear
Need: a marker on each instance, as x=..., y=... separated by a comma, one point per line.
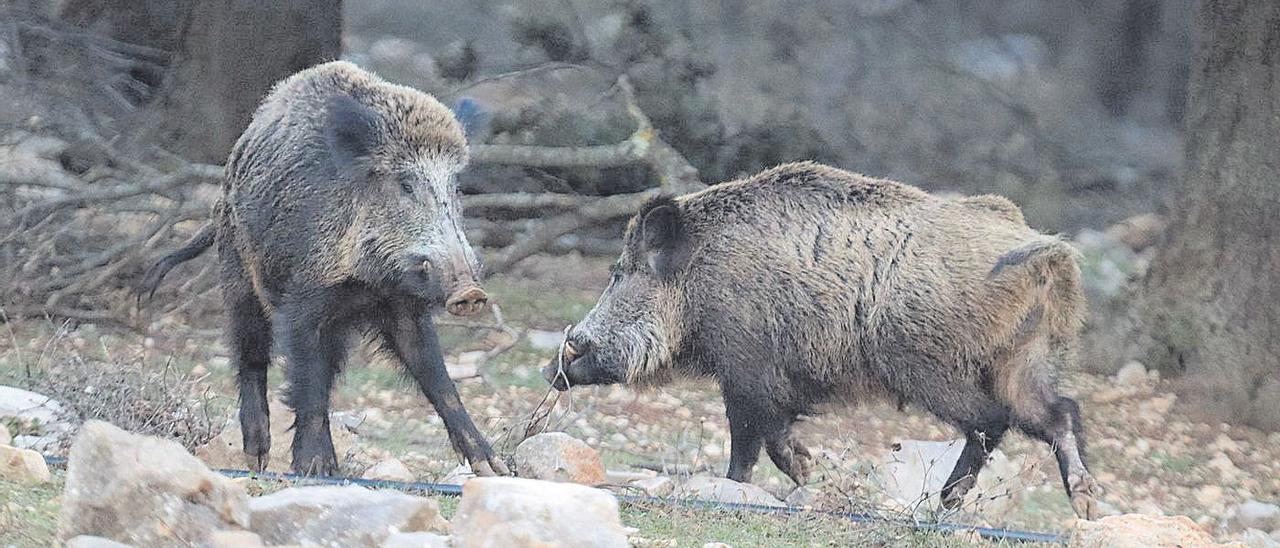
x=351, y=128
x=662, y=236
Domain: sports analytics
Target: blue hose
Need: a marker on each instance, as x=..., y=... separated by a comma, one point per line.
x=445, y=489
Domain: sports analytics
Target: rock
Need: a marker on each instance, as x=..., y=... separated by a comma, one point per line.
x=1253, y=538
x=45, y=419
x=390, y=469
x=234, y=539
x=144, y=490
x=916, y=471
x=22, y=466
x=341, y=516
x=545, y=340
x=5, y=437
x=226, y=450
x=624, y=477
x=716, y=545
x=801, y=496
x=417, y=540
x=1139, y=531
x=459, y=475
x=1138, y=232
x=90, y=541
x=659, y=486
x=556, y=456
x=724, y=490
x=519, y=512
x=1132, y=374
x=1253, y=514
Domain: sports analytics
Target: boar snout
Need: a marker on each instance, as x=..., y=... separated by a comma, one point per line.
x=556, y=372
x=468, y=301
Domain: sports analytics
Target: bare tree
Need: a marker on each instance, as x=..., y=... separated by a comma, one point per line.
x=1208, y=307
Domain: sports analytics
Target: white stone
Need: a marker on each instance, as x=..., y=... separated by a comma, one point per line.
x=1253, y=514
x=144, y=490
x=556, y=456
x=913, y=477
x=90, y=541
x=459, y=475
x=341, y=516
x=1253, y=538
x=234, y=539
x=22, y=466
x=389, y=469
x=1132, y=374
x=5, y=437
x=46, y=418
x=516, y=512
x=417, y=540
x=724, y=490
x=545, y=340
x=659, y=486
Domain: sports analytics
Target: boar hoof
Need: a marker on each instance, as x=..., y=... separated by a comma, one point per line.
x=1084, y=493
x=953, y=495
x=491, y=467
x=257, y=463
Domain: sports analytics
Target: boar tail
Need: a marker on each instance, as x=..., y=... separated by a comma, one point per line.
x=1052, y=248
x=198, y=243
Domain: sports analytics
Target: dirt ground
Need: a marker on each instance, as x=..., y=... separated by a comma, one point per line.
x=1146, y=450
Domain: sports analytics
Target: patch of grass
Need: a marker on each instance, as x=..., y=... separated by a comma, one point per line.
x=29, y=514
x=545, y=309
x=1178, y=465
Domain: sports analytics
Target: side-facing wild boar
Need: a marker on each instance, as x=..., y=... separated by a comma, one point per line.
x=339, y=213
x=806, y=284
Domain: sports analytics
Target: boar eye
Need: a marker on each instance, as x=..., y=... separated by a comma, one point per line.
x=406, y=188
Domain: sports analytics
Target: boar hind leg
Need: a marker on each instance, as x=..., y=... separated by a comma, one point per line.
x=411, y=337
x=1062, y=430
x=980, y=438
x=250, y=335
x=314, y=347
x=789, y=455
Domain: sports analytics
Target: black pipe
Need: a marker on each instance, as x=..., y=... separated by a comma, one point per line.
x=450, y=490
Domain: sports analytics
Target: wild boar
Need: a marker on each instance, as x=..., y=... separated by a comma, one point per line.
x=339, y=213
x=806, y=284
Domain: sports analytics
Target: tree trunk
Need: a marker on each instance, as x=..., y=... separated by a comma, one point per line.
x=233, y=51
x=1210, y=306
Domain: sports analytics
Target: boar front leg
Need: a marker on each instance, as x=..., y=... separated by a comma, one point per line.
x=314, y=347
x=413, y=340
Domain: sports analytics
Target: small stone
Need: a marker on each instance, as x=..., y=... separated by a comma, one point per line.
x=199, y=371
x=545, y=340
x=5, y=437
x=1224, y=443
x=416, y=540
x=623, y=477
x=234, y=539
x=459, y=475
x=1253, y=538
x=90, y=541
x=1132, y=374
x=144, y=490
x=724, y=490
x=659, y=486
x=391, y=470
x=556, y=456
x=22, y=466
x=716, y=545
x=341, y=516
x=520, y=512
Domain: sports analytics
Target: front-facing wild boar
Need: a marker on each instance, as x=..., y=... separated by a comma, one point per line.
x=339, y=212
x=806, y=284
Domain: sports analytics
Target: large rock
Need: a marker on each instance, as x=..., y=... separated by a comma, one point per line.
x=556, y=456
x=724, y=490
x=22, y=466
x=341, y=516
x=227, y=449
x=145, y=491
x=517, y=512
x=1140, y=531
x=913, y=473
x=89, y=541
